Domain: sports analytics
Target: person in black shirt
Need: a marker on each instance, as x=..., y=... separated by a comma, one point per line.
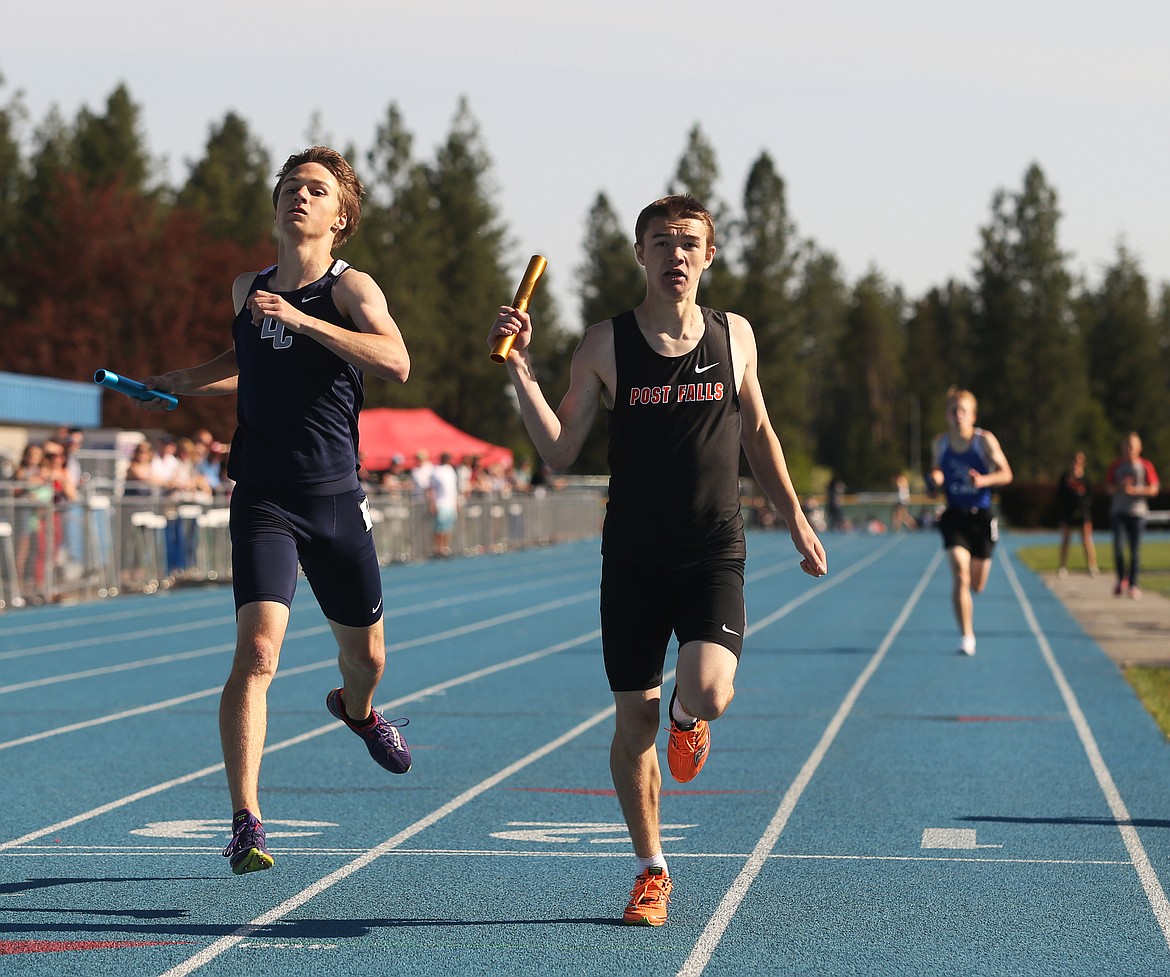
x=680, y=387
x=1074, y=496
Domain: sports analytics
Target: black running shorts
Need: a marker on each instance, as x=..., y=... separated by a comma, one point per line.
x=974, y=530
x=329, y=535
x=641, y=606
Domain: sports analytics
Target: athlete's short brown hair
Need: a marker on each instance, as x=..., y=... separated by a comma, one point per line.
x=350, y=188
x=678, y=206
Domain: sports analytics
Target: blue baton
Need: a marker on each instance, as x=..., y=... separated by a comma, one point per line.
x=133, y=388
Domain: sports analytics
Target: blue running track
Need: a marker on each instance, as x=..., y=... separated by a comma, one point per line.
x=875, y=804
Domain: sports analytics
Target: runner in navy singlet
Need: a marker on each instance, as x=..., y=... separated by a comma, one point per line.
x=305, y=331
x=680, y=386
x=968, y=463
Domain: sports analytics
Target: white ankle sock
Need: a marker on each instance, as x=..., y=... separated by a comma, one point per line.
x=680, y=716
x=658, y=861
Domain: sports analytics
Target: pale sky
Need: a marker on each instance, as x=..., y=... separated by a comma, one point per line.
x=892, y=124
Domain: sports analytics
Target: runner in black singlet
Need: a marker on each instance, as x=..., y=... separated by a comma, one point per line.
x=682, y=393
x=305, y=331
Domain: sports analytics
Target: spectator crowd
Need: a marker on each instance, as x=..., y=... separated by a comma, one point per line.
x=43, y=495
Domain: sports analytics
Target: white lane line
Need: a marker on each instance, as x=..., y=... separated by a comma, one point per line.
x=115, y=669
x=709, y=939
x=277, y=913
x=821, y=586
x=132, y=637
x=166, y=605
x=171, y=851
x=321, y=629
x=112, y=717
x=293, y=635
x=80, y=619
x=1129, y=835
x=286, y=672
x=284, y=744
x=143, y=636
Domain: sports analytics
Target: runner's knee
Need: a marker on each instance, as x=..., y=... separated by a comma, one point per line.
x=708, y=703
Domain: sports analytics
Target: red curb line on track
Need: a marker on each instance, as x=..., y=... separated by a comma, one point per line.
x=57, y=946
x=602, y=792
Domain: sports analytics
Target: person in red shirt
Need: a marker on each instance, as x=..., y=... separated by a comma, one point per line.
x=1132, y=481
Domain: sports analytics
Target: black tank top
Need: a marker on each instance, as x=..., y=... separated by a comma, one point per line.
x=297, y=402
x=674, y=450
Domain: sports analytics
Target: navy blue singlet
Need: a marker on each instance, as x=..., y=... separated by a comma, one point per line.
x=297, y=402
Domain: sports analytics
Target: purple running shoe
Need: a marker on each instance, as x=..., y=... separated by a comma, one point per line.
x=383, y=740
x=248, y=851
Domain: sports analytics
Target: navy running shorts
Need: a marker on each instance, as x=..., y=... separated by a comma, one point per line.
x=974, y=530
x=641, y=606
x=331, y=536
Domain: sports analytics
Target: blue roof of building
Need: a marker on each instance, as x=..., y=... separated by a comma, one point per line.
x=48, y=401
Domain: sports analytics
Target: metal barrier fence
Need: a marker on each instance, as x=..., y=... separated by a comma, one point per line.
x=106, y=543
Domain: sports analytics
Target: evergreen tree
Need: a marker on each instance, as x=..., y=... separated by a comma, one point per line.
x=768, y=258
x=938, y=356
x=390, y=159
x=1125, y=356
x=871, y=417
x=697, y=174
x=51, y=160
x=821, y=305
x=611, y=278
x=1030, y=371
x=1162, y=328
x=231, y=186
x=1093, y=433
x=109, y=148
x=13, y=185
x=398, y=243
x=317, y=134
x=463, y=385
x=612, y=281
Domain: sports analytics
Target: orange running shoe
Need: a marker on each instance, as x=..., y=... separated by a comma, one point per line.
x=648, y=900
x=688, y=748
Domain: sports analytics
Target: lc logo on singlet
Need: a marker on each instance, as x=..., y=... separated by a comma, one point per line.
x=684, y=393
x=271, y=329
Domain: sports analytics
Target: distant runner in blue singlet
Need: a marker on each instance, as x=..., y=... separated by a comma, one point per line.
x=968, y=463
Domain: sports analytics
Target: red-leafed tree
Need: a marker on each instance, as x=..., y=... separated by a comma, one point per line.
x=111, y=279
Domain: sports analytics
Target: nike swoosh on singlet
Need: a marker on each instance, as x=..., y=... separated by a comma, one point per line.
x=704, y=369
x=729, y=631
x=309, y=298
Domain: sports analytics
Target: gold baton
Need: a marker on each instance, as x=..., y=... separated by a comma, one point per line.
x=536, y=266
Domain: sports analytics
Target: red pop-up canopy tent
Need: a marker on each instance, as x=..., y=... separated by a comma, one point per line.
x=385, y=432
